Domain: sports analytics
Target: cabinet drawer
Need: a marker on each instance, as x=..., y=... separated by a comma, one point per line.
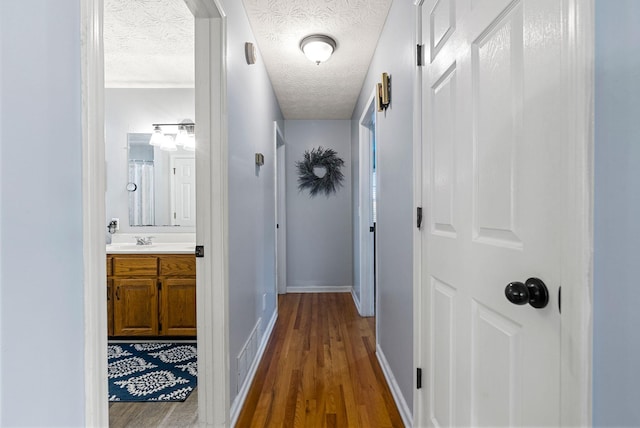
x=135, y=266
x=178, y=265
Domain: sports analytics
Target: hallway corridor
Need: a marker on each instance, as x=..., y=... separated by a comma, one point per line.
x=320, y=369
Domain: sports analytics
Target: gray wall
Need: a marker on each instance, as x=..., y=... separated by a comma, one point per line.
x=252, y=110
x=134, y=110
x=318, y=228
x=616, y=352
x=394, y=55
x=41, y=285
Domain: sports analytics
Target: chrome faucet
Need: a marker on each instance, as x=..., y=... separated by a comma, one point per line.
x=143, y=240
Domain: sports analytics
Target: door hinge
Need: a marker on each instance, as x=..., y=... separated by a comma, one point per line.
x=174, y=171
x=419, y=217
x=277, y=226
x=174, y=216
x=418, y=378
x=372, y=228
x=419, y=55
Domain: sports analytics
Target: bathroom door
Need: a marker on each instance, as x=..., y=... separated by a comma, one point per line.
x=183, y=202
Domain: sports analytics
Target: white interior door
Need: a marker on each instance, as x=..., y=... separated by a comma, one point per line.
x=183, y=172
x=493, y=162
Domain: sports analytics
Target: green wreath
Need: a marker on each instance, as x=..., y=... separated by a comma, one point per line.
x=320, y=157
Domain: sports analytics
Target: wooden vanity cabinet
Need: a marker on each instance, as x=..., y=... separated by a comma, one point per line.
x=177, y=276
x=151, y=295
x=177, y=303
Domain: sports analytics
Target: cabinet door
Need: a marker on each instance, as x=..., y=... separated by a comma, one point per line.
x=178, y=303
x=135, y=307
x=110, y=307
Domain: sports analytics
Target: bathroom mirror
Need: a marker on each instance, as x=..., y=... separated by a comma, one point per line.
x=160, y=184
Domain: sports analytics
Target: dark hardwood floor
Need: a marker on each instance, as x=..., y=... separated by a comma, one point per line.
x=320, y=369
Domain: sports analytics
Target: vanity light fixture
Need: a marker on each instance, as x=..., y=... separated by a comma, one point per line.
x=157, y=137
x=184, y=137
x=168, y=144
x=190, y=143
x=318, y=47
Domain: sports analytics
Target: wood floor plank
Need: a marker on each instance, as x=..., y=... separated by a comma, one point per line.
x=161, y=414
x=320, y=369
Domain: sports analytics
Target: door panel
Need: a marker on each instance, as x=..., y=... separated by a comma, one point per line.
x=443, y=298
x=443, y=19
x=492, y=160
x=444, y=126
x=496, y=363
x=135, y=307
x=178, y=305
x=498, y=106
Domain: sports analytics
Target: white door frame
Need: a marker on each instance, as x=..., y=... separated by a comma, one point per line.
x=96, y=407
x=212, y=212
x=577, y=277
x=366, y=302
x=419, y=414
x=212, y=197
x=279, y=144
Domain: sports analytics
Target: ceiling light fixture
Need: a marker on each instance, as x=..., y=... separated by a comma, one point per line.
x=318, y=47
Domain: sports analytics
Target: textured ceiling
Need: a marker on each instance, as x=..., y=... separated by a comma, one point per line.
x=149, y=43
x=306, y=90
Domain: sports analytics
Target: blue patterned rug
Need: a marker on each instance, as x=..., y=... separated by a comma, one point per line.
x=152, y=371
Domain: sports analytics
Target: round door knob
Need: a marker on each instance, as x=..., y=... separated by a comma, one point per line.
x=517, y=293
x=533, y=292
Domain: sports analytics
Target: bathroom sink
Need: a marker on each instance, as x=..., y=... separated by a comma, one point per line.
x=156, y=248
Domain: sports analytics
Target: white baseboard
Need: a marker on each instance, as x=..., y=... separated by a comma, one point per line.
x=403, y=408
x=237, y=404
x=321, y=289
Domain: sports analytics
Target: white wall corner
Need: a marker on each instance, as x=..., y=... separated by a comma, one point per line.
x=399, y=399
x=356, y=301
x=237, y=404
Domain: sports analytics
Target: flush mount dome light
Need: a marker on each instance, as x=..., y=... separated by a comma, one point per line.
x=318, y=47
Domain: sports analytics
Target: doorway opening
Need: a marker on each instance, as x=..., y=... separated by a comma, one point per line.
x=281, y=211
x=365, y=294
x=151, y=188
x=211, y=221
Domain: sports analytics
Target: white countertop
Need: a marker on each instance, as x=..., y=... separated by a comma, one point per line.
x=155, y=248
x=163, y=243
